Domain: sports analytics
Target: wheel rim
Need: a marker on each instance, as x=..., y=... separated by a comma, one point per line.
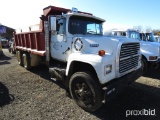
x=83, y=93
x=24, y=61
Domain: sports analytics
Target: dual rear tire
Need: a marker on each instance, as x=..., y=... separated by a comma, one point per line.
x=24, y=59
x=19, y=57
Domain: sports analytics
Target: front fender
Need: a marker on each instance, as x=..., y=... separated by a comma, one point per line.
x=97, y=62
x=147, y=54
x=150, y=49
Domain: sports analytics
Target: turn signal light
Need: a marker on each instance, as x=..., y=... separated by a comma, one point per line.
x=101, y=52
x=152, y=57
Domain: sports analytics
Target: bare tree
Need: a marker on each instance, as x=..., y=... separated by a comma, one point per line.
x=138, y=28
x=148, y=29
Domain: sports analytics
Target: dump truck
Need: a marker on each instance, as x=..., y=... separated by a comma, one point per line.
x=71, y=43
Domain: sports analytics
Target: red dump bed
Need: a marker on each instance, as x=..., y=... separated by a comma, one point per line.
x=34, y=41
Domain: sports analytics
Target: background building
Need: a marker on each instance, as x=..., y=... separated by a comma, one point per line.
x=6, y=32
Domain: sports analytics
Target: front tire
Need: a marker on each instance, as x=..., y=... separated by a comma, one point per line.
x=86, y=91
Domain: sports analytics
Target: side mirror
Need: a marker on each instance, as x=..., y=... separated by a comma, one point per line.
x=52, y=22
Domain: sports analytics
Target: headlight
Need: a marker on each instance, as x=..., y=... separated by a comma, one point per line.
x=107, y=69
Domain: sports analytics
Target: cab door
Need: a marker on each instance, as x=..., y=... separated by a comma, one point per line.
x=58, y=38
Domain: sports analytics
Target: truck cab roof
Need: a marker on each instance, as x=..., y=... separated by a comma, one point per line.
x=85, y=15
x=52, y=10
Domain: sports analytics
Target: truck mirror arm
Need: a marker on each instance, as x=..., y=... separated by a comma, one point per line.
x=43, y=18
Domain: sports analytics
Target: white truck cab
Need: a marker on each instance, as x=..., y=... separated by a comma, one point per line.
x=78, y=37
x=150, y=49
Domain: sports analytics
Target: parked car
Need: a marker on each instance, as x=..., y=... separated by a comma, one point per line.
x=5, y=43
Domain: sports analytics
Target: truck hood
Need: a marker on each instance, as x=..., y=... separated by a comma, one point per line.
x=149, y=43
x=150, y=48
x=92, y=44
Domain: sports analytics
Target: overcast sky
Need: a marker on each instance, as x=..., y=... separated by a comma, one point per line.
x=117, y=13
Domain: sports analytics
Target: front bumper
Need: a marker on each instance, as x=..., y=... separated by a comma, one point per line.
x=117, y=85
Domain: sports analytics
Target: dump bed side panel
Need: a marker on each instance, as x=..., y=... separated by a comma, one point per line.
x=33, y=42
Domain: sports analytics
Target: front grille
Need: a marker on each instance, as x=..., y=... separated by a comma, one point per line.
x=129, y=56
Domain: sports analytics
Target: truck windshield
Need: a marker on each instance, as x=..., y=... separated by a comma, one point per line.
x=84, y=25
x=134, y=34
x=157, y=38
x=150, y=37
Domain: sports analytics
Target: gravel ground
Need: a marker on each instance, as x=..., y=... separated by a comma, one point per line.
x=31, y=95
